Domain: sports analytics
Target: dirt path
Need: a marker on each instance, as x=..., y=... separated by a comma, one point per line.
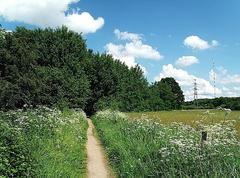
x=97, y=164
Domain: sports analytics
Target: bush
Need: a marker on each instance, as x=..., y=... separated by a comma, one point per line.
x=15, y=157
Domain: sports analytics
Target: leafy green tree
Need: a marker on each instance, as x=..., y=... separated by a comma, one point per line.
x=133, y=90
x=165, y=95
x=176, y=89
x=222, y=102
x=53, y=67
x=156, y=103
x=43, y=67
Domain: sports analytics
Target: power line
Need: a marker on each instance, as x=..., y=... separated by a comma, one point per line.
x=195, y=92
x=214, y=80
x=195, y=89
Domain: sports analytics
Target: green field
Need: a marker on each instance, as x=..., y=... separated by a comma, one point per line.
x=138, y=146
x=191, y=117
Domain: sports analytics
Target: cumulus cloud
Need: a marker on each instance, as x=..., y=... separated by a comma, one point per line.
x=49, y=13
x=230, y=83
x=119, y=52
x=236, y=88
x=127, y=36
x=195, y=42
x=223, y=77
x=185, y=61
x=185, y=80
x=132, y=49
x=231, y=91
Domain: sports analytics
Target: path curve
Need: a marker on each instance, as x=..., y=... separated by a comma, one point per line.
x=97, y=164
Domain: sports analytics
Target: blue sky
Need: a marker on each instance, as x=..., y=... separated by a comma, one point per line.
x=176, y=38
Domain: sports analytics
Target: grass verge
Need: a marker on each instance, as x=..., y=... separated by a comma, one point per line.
x=43, y=143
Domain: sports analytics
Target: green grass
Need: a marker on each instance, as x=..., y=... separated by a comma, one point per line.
x=49, y=143
x=190, y=117
x=144, y=148
x=64, y=154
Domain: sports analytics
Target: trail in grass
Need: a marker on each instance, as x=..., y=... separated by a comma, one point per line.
x=97, y=164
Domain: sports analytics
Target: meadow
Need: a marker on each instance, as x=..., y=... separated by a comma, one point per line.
x=43, y=143
x=155, y=145
x=190, y=117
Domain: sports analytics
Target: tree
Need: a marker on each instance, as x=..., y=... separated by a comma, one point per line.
x=155, y=101
x=175, y=88
x=53, y=67
x=43, y=66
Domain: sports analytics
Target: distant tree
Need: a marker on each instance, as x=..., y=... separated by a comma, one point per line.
x=114, y=85
x=223, y=102
x=176, y=89
x=166, y=94
x=102, y=78
x=2, y=31
x=133, y=90
x=155, y=100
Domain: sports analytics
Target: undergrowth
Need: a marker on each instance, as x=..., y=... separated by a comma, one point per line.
x=43, y=143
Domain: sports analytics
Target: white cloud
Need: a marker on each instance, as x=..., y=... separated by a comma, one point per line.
x=185, y=80
x=236, y=88
x=230, y=83
x=119, y=52
x=49, y=13
x=230, y=91
x=195, y=42
x=127, y=35
x=235, y=79
x=226, y=85
x=132, y=50
x=140, y=50
x=84, y=22
x=222, y=76
x=185, y=61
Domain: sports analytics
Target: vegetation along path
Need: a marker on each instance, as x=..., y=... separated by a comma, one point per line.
x=97, y=164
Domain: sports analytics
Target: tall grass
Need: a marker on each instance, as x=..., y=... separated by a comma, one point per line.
x=144, y=148
x=43, y=143
x=190, y=117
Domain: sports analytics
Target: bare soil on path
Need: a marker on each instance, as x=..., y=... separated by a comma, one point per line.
x=97, y=165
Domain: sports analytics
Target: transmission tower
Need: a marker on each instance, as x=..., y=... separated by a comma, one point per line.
x=195, y=92
x=214, y=80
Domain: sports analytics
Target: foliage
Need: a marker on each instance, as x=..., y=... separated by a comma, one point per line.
x=177, y=92
x=42, y=143
x=232, y=103
x=15, y=160
x=114, y=85
x=165, y=95
x=42, y=67
x=53, y=67
x=144, y=148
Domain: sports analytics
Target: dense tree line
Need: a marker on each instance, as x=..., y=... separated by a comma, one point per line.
x=53, y=67
x=232, y=103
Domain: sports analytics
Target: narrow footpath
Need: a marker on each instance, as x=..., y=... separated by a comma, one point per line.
x=97, y=165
